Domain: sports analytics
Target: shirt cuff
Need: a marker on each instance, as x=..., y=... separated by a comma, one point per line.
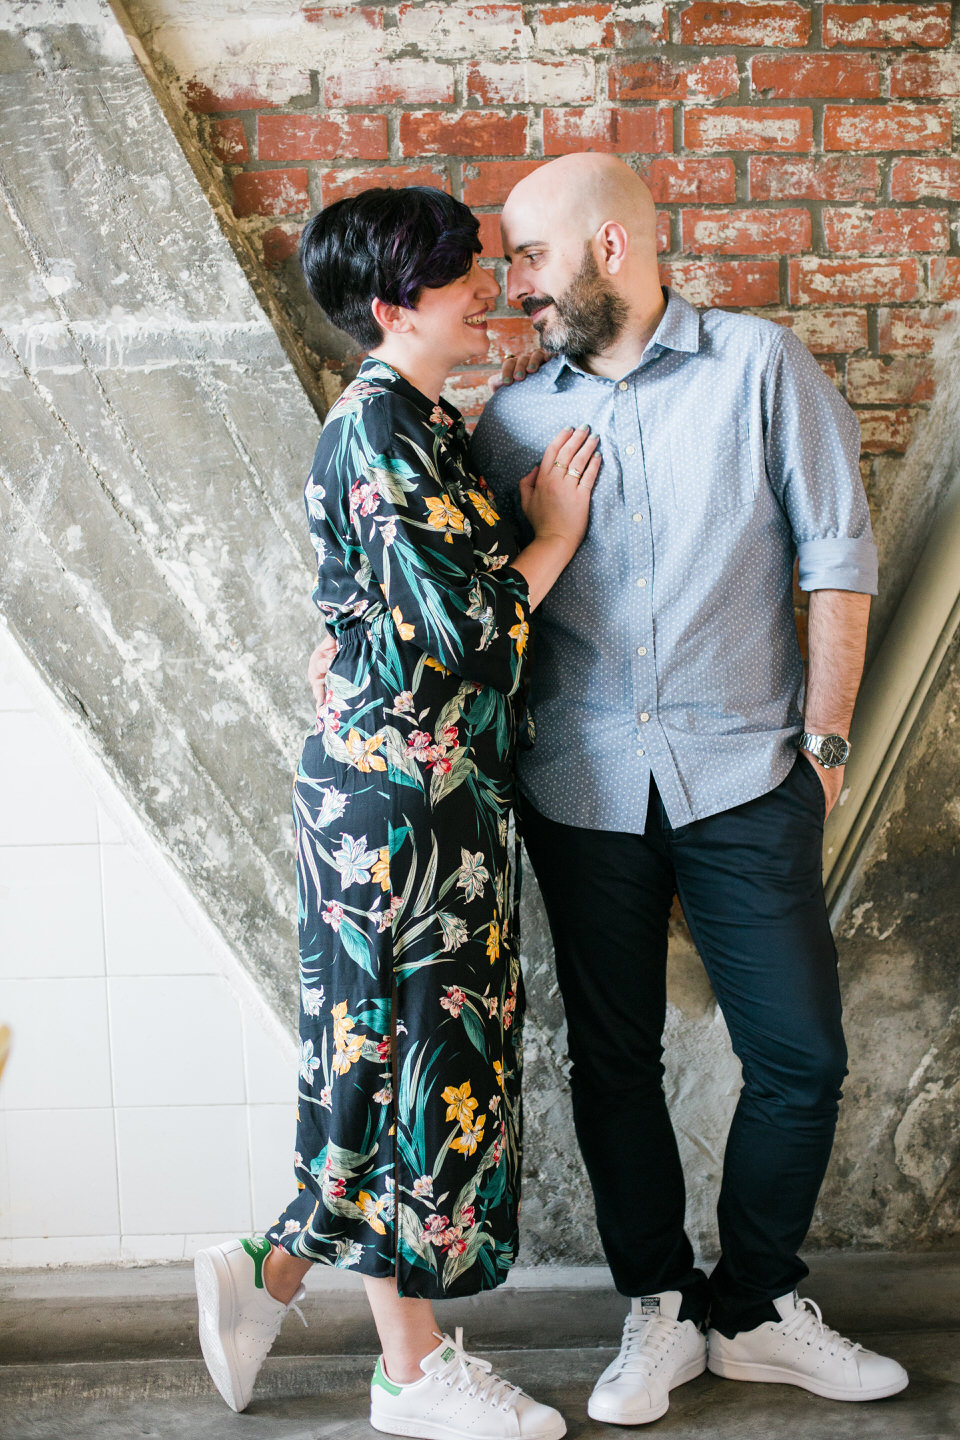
x=838, y=563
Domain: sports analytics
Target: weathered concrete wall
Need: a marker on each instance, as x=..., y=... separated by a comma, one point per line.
x=895, y=1178
x=155, y=564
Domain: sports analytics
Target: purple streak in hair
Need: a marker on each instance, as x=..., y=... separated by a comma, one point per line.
x=449, y=256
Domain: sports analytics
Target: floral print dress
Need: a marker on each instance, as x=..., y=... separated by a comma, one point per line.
x=408, y=1137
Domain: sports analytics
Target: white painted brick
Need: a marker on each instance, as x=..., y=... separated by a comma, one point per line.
x=463, y=29
x=536, y=82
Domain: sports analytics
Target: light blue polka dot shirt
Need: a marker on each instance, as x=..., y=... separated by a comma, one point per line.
x=668, y=645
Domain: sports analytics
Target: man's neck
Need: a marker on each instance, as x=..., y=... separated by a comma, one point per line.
x=626, y=352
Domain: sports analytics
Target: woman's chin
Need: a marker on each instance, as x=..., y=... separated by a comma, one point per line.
x=477, y=345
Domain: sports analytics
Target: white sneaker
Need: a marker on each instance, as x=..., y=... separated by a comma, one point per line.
x=239, y=1318
x=459, y=1398
x=800, y=1350
x=658, y=1353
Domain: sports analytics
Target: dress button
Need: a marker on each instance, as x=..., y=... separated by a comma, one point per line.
x=622, y=385
x=630, y=449
x=638, y=517
x=641, y=649
x=644, y=716
x=640, y=752
x=642, y=584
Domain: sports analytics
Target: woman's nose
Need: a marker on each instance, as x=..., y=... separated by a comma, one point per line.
x=488, y=289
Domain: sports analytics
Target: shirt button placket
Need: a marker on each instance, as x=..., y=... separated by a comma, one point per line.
x=634, y=476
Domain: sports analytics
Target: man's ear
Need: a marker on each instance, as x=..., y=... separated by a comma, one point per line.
x=612, y=242
x=392, y=319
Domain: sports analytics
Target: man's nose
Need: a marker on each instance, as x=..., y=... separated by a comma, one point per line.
x=516, y=289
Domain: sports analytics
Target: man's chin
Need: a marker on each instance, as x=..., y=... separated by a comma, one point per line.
x=550, y=343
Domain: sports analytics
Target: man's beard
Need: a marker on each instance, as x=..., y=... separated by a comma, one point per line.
x=588, y=316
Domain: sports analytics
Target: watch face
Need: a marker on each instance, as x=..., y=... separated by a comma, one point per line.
x=833, y=750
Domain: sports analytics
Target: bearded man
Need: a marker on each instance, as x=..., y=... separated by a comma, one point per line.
x=678, y=752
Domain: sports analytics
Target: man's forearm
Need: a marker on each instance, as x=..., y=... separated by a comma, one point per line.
x=837, y=637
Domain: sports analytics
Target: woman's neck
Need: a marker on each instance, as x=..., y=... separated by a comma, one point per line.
x=426, y=374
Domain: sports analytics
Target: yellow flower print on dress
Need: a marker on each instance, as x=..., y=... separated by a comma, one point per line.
x=520, y=631
x=460, y=1104
x=498, y=1071
x=381, y=868
x=493, y=942
x=484, y=509
x=347, y=1048
x=404, y=628
x=429, y=661
x=372, y=1207
x=471, y=1137
x=362, y=753
x=444, y=515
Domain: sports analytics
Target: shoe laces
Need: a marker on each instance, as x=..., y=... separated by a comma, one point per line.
x=808, y=1318
x=293, y=1305
x=646, y=1341
x=477, y=1378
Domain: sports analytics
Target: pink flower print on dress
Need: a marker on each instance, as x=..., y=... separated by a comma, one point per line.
x=454, y=1000
x=434, y=1228
x=421, y=743
x=333, y=915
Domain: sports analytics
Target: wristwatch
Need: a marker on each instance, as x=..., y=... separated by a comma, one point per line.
x=829, y=750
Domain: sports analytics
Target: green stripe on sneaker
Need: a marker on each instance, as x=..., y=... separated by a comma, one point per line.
x=258, y=1250
x=380, y=1379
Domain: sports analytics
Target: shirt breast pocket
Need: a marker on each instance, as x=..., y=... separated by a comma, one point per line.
x=714, y=469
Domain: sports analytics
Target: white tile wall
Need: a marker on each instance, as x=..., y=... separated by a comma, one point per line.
x=148, y=1107
x=51, y=911
x=205, y=1147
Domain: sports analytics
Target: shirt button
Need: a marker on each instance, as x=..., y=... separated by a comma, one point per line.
x=640, y=752
x=644, y=716
x=642, y=584
x=622, y=385
x=641, y=649
x=630, y=449
x=638, y=517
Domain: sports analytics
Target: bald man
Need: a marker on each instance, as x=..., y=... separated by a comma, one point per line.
x=677, y=753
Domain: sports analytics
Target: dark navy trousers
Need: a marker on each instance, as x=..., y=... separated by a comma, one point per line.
x=749, y=881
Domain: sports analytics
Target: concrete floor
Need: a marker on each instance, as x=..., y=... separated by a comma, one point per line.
x=112, y=1355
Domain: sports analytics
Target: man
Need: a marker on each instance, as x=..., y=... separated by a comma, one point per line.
x=666, y=696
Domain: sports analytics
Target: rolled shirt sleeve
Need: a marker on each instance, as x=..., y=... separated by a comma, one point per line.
x=812, y=453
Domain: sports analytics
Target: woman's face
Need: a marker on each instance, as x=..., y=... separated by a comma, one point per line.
x=453, y=317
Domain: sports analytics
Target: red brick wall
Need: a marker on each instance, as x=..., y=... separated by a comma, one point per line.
x=800, y=153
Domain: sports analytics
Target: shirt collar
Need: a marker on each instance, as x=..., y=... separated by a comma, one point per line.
x=679, y=329
x=384, y=374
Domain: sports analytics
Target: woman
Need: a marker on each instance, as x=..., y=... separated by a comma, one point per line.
x=408, y=1142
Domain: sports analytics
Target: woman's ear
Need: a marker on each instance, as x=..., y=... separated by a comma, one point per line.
x=392, y=319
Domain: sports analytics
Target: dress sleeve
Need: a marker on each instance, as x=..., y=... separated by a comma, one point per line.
x=442, y=598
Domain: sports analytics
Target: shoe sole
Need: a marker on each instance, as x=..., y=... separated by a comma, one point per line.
x=774, y=1375
x=217, y=1300
x=596, y=1410
x=429, y=1430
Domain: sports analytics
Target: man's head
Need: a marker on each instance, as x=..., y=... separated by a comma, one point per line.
x=580, y=235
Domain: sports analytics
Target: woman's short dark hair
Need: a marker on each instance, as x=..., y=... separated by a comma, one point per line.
x=385, y=244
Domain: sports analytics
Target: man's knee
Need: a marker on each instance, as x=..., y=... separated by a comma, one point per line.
x=807, y=1075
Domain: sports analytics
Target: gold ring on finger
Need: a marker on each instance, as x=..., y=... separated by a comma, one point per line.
x=509, y=355
x=577, y=474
